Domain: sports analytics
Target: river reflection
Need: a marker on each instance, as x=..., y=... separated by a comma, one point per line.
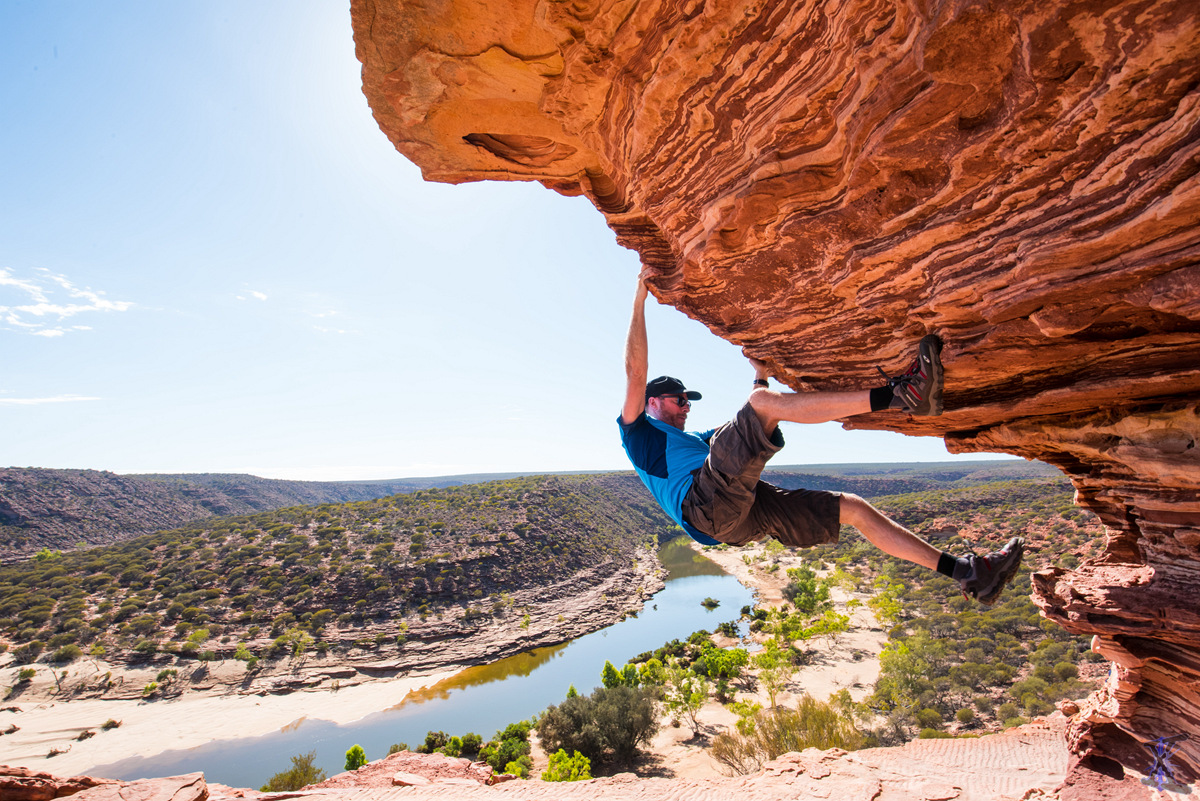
x=482, y=699
x=522, y=664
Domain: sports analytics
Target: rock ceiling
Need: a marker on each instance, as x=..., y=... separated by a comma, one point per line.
x=824, y=183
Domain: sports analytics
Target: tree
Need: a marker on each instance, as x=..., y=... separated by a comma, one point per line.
x=828, y=626
x=651, y=673
x=904, y=668
x=721, y=663
x=564, y=768
x=774, y=668
x=301, y=774
x=886, y=606
x=609, y=677
x=507, y=746
x=626, y=676
x=609, y=724
x=806, y=592
x=684, y=694
x=355, y=757
x=434, y=741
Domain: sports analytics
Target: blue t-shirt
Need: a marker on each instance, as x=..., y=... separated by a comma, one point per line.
x=665, y=458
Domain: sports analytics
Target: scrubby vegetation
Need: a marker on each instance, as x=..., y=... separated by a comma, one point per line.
x=951, y=667
x=950, y=662
x=301, y=774
x=305, y=579
x=766, y=734
x=507, y=752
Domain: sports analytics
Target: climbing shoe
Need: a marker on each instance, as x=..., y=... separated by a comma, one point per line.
x=919, y=391
x=991, y=574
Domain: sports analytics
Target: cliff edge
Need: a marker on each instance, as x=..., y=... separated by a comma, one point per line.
x=824, y=184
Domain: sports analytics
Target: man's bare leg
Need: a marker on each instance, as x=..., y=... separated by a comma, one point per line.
x=803, y=407
x=886, y=534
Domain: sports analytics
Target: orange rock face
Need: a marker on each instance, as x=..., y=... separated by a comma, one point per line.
x=823, y=184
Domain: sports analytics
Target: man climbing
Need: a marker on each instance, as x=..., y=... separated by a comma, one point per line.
x=709, y=482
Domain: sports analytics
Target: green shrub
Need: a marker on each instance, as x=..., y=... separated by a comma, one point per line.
x=609, y=724
x=146, y=648
x=805, y=591
x=434, y=741
x=471, y=743
x=519, y=767
x=507, y=746
x=965, y=715
x=564, y=768
x=929, y=719
x=28, y=652
x=301, y=774
x=355, y=757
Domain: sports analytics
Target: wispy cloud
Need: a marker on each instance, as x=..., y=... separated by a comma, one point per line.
x=254, y=293
x=40, y=304
x=55, y=399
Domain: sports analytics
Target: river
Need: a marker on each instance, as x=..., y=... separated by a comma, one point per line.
x=482, y=699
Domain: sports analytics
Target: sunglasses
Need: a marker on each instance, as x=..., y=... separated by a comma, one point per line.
x=680, y=400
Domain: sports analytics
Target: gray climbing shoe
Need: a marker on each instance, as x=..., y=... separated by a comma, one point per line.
x=919, y=391
x=991, y=574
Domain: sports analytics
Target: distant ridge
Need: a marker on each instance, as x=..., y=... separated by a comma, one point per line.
x=64, y=509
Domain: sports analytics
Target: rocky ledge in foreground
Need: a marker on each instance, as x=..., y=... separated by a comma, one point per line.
x=1027, y=762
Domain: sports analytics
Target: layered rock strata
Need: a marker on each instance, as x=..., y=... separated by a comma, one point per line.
x=823, y=184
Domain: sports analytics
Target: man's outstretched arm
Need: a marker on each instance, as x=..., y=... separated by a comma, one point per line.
x=637, y=358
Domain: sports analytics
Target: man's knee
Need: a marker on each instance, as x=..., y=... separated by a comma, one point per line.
x=853, y=508
x=765, y=403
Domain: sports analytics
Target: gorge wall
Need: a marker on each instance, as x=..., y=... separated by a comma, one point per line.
x=824, y=183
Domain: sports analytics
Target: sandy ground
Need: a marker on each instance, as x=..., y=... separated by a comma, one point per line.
x=151, y=727
x=200, y=717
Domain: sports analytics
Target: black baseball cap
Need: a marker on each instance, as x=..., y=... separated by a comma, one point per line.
x=666, y=385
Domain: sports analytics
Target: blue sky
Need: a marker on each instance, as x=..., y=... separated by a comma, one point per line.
x=212, y=260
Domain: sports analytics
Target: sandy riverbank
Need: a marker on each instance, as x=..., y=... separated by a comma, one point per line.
x=190, y=720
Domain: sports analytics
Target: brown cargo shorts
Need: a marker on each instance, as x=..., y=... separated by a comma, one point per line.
x=730, y=503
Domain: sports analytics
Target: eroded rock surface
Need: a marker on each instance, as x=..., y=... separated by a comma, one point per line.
x=1024, y=762
x=825, y=183
x=23, y=784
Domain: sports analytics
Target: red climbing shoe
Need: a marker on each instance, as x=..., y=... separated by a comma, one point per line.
x=991, y=574
x=919, y=391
